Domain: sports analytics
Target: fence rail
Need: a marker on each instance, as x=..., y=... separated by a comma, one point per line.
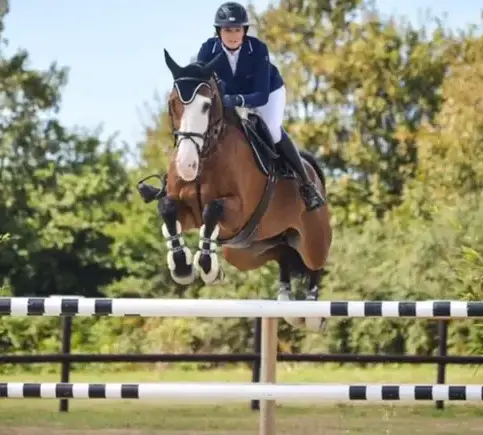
x=50, y=358
x=69, y=307
x=265, y=388
x=213, y=308
x=239, y=391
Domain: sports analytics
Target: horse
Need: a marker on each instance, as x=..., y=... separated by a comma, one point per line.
x=227, y=179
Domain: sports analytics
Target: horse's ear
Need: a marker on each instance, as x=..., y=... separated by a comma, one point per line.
x=210, y=66
x=171, y=64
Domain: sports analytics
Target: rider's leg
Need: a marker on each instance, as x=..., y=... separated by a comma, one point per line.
x=273, y=113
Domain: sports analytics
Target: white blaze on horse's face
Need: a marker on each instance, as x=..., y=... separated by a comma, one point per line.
x=195, y=119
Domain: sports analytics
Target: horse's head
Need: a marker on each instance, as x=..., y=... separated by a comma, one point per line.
x=196, y=112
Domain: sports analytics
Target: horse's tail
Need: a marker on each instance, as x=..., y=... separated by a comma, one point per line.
x=315, y=164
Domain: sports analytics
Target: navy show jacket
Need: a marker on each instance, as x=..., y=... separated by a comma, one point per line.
x=255, y=77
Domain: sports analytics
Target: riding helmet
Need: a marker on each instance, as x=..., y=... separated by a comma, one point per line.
x=231, y=14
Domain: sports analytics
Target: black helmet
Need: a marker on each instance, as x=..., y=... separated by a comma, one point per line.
x=231, y=14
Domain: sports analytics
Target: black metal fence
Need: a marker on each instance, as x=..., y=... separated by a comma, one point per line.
x=66, y=358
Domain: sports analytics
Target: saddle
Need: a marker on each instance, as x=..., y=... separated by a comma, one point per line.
x=267, y=157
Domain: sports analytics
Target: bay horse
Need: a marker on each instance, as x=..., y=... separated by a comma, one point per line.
x=227, y=179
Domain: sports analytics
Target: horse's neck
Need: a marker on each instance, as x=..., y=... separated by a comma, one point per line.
x=233, y=147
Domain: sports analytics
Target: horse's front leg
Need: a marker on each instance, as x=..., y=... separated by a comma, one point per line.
x=223, y=213
x=206, y=258
x=179, y=258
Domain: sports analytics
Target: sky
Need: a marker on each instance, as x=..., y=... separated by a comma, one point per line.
x=114, y=48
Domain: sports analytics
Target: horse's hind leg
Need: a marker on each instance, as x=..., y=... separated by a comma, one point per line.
x=291, y=264
x=180, y=258
x=313, y=286
x=284, y=286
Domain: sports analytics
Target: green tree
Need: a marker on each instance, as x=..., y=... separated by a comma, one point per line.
x=451, y=154
x=58, y=188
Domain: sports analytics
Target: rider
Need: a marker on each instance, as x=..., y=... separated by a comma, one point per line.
x=251, y=80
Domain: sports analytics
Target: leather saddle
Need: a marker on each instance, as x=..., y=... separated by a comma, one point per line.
x=268, y=158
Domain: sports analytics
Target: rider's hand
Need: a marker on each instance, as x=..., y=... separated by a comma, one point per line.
x=232, y=100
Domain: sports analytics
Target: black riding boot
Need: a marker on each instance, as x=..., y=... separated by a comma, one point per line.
x=308, y=190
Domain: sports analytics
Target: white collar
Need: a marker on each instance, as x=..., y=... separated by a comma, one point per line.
x=231, y=53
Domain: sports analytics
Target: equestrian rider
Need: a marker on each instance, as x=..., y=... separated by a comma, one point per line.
x=250, y=80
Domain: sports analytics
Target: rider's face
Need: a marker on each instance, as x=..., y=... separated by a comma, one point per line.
x=232, y=37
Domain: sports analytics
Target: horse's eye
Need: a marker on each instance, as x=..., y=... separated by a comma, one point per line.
x=205, y=107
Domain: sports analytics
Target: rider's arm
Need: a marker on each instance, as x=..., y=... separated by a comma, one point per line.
x=262, y=80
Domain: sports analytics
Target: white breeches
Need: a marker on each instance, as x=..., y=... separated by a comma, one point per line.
x=273, y=112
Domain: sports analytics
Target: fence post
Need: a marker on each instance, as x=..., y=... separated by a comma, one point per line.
x=442, y=351
x=65, y=365
x=65, y=350
x=268, y=372
x=257, y=348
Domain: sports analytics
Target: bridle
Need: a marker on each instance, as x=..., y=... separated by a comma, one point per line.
x=215, y=126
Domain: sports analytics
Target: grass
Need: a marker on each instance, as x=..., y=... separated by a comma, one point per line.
x=104, y=417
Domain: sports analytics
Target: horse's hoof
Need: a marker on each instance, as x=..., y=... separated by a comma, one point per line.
x=180, y=265
x=315, y=324
x=220, y=277
x=284, y=295
x=184, y=279
x=208, y=267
